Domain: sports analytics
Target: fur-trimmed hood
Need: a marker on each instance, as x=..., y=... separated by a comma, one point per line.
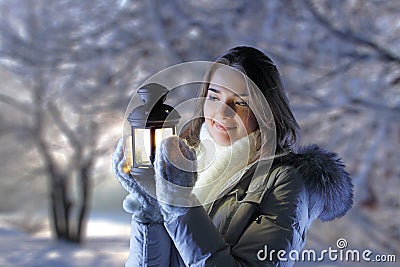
x=326, y=180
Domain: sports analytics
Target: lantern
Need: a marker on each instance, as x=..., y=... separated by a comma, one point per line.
x=150, y=123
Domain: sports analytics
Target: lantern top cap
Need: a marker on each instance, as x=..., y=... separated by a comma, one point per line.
x=153, y=112
x=152, y=93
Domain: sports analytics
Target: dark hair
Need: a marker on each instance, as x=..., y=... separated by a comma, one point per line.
x=261, y=70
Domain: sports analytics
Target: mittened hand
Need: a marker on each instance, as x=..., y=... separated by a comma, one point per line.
x=175, y=175
x=120, y=168
x=176, y=162
x=143, y=207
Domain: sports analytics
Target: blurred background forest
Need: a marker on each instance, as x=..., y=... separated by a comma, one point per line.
x=69, y=68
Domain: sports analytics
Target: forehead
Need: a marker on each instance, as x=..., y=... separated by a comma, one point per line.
x=229, y=78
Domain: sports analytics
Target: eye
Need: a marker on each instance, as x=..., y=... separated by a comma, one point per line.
x=212, y=98
x=241, y=103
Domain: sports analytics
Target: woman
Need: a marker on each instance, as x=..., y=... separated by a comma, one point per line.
x=255, y=192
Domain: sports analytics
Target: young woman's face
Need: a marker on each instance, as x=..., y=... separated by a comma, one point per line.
x=228, y=117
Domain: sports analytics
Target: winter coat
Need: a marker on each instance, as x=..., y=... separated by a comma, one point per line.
x=260, y=216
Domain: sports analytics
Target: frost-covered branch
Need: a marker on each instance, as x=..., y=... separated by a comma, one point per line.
x=348, y=35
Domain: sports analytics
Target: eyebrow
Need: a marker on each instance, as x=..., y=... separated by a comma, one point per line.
x=219, y=92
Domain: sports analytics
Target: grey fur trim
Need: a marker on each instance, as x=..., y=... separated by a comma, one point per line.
x=326, y=180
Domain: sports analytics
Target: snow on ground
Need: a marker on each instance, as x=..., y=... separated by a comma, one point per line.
x=102, y=247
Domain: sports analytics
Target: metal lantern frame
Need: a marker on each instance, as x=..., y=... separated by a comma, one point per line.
x=151, y=116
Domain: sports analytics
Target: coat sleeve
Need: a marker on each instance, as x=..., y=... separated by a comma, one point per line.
x=279, y=226
x=150, y=245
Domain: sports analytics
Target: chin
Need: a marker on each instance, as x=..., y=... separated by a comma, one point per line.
x=222, y=141
x=220, y=137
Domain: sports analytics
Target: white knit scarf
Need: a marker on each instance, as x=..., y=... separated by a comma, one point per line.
x=221, y=166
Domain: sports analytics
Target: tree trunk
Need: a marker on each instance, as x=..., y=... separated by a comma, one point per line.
x=70, y=226
x=60, y=207
x=85, y=198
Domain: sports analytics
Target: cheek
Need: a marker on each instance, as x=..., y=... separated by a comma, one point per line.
x=207, y=109
x=210, y=109
x=252, y=125
x=249, y=122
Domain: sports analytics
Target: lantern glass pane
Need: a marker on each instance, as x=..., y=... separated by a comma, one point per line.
x=162, y=134
x=142, y=146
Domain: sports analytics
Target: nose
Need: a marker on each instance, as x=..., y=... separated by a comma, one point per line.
x=225, y=111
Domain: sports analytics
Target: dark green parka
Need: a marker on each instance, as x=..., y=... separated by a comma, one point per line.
x=258, y=223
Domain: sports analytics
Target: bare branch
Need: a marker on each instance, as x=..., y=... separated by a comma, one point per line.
x=377, y=107
x=337, y=71
x=63, y=126
x=22, y=106
x=351, y=36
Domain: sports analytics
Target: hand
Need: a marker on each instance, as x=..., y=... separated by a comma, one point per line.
x=144, y=208
x=175, y=175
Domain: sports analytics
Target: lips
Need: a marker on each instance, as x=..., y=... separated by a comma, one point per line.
x=222, y=127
